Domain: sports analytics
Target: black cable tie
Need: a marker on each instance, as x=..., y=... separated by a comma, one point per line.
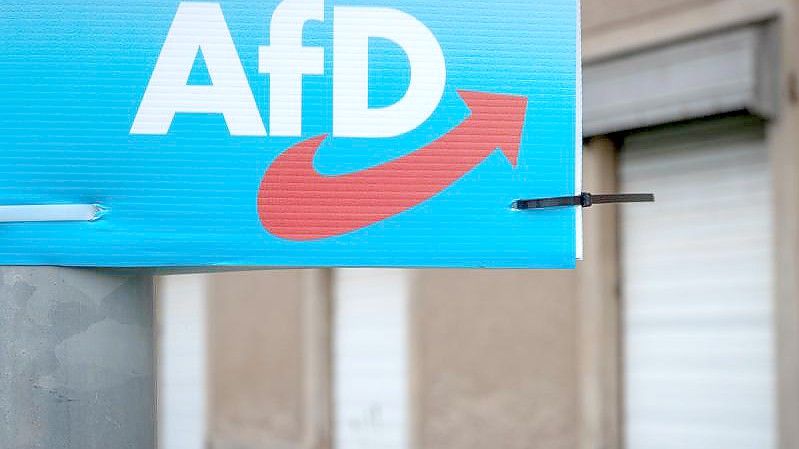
x=584, y=200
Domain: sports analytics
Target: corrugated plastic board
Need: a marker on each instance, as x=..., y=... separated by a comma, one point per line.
x=73, y=75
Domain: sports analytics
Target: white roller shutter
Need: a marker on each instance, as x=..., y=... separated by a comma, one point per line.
x=371, y=359
x=182, y=401
x=698, y=288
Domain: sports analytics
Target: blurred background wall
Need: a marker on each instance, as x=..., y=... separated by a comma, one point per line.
x=679, y=330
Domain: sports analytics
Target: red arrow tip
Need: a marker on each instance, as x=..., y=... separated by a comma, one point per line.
x=501, y=119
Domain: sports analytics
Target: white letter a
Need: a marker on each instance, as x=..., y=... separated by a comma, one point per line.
x=198, y=27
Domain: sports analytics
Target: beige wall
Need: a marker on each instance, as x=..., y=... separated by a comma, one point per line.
x=256, y=386
x=600, y=14
x=494, y=351
x=495, y=359
x=611, y=27
x=599, y=306
x=783, y=137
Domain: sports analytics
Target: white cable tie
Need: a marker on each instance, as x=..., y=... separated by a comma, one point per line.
x=50, y=213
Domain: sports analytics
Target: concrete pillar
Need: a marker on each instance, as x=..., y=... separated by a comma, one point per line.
x=76, y=359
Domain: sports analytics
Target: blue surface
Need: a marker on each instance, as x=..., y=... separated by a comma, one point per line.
x=72, y=75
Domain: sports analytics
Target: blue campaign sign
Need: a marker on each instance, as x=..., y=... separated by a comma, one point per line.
x=296, y=133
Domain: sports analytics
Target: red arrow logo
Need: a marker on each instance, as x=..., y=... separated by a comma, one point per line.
x=297, y=203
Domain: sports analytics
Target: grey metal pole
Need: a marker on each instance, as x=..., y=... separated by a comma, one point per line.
x=76, y=359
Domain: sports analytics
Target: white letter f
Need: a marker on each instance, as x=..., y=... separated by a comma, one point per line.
x=286, y=61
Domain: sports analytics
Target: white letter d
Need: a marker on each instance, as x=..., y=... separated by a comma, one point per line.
x=352, y=28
